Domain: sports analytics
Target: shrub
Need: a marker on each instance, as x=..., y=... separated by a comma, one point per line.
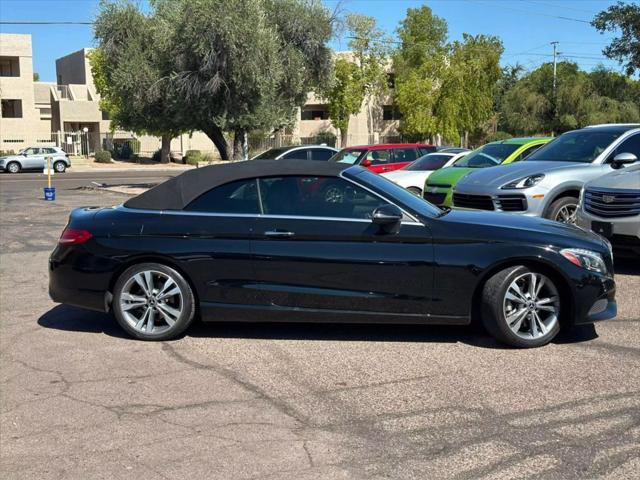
x=6, y=153
x=125, y=148
x=327, y=138
x=192, y=157
x=499, y=135
x=103, y=156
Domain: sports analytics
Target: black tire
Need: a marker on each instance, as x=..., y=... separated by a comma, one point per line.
x=13, y=167
x=59, y=166
x=188, y=302
x=557, y=206
x=493, y=316
x=416, y=191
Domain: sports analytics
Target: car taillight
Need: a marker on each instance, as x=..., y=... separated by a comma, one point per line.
x=74, y=236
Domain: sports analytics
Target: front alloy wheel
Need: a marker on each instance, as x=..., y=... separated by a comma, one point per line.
x=153, y=302
x=521, y=307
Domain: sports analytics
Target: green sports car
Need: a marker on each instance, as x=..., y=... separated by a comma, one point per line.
x=438, y=188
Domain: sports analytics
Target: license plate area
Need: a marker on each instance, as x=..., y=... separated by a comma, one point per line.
x=602, y=228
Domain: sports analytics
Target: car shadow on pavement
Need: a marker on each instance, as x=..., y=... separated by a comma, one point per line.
x=627, y=266
x=72, y=319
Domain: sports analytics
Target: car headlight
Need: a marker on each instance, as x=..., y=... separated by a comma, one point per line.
x=586, y=259
x=525, y=182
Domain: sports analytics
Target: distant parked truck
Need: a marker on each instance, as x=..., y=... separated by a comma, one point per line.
x=610, y=206
x=34, y=158
x=548, y=182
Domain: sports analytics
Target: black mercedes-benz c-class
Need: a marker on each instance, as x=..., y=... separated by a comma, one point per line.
x=325, y=242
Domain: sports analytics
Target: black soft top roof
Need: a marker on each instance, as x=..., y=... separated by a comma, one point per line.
x=177, y=192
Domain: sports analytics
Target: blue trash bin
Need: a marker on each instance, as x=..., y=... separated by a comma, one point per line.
x=49, y=194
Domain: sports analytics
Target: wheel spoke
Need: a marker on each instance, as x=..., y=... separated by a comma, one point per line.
x=141, y=281
x=174, y=313
x=515, y=319
x=143, y=319
x=544, y=301
x=514, y=298
x=170, y=293
x=533, y=280
x=540, y=324
x=150, y=321
x=547, y=308
x=541, y=282
x=167, y=318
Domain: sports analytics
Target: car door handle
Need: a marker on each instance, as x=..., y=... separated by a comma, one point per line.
x=279, y=234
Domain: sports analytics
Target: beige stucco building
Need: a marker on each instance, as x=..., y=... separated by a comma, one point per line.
x=67, y=112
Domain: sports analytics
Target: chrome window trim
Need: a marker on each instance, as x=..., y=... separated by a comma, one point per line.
x=250, y=215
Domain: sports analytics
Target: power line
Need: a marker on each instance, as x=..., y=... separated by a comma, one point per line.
x=45, y=23
x=529, y=12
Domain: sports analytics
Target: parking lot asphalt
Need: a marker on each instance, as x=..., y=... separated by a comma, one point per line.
x=246, y=401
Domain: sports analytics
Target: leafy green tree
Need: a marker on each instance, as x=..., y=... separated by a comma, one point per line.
x=625, y=18
x=212, y=65
x=36, y=77
x=445, y=88
x=243, y=65
x=361, y=78
x=128, y=74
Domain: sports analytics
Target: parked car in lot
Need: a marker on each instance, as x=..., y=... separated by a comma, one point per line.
x=413, y=176
x=547, y=184
x=439, y=186
x=610, y=206
x=259, y=241
x=298, y=152
x=385, y=157
x=33, y=158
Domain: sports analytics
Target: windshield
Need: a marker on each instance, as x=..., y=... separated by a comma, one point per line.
x=393, y=191
x=488, y=156
x=432, y=161
x=579, y=146
x=271, y=154
x=349, y=156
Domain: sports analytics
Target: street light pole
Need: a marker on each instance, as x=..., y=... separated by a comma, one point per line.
x=555, y=70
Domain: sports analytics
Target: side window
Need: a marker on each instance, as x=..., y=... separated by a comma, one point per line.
x=321, y=154
x=405, y=154
x=31, y=151
x=630, y=145
x=316, y=197
x=378, y=157
x=235, y=197
x=50, y=151
x=527, y=152
x=295, y=155
x=425, y=150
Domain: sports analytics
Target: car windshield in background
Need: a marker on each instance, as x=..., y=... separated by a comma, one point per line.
x=404, y=196
x=579, y=146
x=271, y=154
x=487, y=156
x=433, y=161
x=347, y=156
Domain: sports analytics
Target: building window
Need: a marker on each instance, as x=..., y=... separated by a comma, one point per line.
x=105, y=115
x=391, y=112
x=45, y=113
x=12, y=108
x=314, y=112
x=9, y=66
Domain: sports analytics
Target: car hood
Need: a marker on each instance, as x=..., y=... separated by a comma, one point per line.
x=526, y=229
x=406, y=174
x=12, y=157
x=501, y=174
x=449, y=175
x=623, y=179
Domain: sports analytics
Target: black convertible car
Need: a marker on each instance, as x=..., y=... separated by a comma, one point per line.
x=325, y=242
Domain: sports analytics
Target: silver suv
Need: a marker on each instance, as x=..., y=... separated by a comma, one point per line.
x=33, y=158
x=548, y=183
x=610, y=206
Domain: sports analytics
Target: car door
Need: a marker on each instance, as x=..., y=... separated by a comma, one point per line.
x=315, y=247
x=33, y=158
x=403, y=157
x=212, y=239
x=378, y=160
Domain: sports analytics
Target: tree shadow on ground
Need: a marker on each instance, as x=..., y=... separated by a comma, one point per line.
x=72, y=319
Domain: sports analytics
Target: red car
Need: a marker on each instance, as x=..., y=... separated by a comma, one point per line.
x=385, y=157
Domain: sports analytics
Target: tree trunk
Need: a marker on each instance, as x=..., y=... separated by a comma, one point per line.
x=343, y=137
x=239, y=144
x=216, y=135
x=165, y=150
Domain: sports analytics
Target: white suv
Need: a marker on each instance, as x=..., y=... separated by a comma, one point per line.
x=34, y=158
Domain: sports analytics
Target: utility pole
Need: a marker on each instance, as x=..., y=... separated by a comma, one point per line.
x=555, y=91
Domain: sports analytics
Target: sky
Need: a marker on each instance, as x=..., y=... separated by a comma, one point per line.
x=526, y=27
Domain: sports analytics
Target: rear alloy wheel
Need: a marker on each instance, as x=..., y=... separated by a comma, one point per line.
x=521, y=307
x=59, y=167
x=13, y=167
x=153, y=302
x=564, y=210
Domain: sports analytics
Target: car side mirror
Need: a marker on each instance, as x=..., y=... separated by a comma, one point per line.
x=622, y=159
x=388, y=217
x=366, y=163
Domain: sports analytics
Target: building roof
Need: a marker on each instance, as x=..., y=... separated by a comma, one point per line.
x=177, y=192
